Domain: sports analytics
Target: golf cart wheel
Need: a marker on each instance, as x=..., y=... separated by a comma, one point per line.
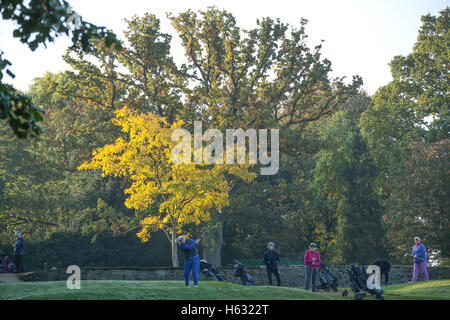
x=380, y=297
x=359, y=296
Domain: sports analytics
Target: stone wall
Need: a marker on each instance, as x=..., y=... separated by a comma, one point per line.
x=291, y=276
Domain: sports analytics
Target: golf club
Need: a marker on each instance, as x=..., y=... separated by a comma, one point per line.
x=410, y=255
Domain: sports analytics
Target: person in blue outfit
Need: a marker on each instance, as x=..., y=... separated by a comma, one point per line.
x=192, y=259
x=419, y=253
x=18, y=245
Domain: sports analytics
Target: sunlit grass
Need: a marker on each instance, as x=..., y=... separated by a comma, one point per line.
x=143, y=290
x=420, y=286
x=207, y=290
x=423, y=290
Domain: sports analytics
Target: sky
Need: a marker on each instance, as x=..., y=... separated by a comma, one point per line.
x=361, y=36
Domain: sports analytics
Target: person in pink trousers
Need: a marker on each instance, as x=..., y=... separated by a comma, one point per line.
x=419, y=254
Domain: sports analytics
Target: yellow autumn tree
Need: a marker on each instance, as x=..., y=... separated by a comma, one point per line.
x=185, y=193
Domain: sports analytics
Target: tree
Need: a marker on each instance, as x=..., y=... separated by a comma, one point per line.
x=183, y=193
x=415, y=104
x=40, y=22
x=42, y=190
x=422, y=79
x=411, y=111
x=419, y=201
x=259, y=78
x=343, y=179
x=266, y=77
x=153, y=80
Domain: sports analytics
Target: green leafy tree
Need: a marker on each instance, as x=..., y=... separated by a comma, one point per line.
x=411, y=111
x=266, y=77
x=343, y=178
x=421, y=78
x=42, y=192
x=258, y=78
x=39, y=22
x=419, y=202
x=415, y=104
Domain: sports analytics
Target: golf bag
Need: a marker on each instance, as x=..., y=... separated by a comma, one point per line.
x=358, y=283
x=327, y=280
x=211, y=271
x=6, y=265
x=241, y=272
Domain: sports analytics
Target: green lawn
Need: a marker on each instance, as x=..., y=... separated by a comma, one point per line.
x=136, y=290
x=423, y=290
x=207, y=290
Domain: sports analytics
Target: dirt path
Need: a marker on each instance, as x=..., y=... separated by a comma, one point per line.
x=332, y=293
x=9, y=277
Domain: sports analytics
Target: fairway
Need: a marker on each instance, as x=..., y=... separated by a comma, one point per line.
x=207, y=290
x=426, y=290
x=150, y=290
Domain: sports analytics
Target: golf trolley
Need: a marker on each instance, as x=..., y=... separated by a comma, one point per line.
x=211, y=271
x=6, y=265
x=327, y=280
x=358, y=283
x=241, y=273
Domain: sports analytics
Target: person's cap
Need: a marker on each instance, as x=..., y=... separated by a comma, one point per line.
x=179, y=238
x=416, y=238
x=17, y=234
x=271, y=244
x=312, y=244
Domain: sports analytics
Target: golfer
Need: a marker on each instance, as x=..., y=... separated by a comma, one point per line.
x=312, y=264
x=419, y=254
x=18, y=245
x=192, y=259
x=271, y=260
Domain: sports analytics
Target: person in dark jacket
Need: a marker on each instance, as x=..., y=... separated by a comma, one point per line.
x=18, y=245
x=271, y=260
x=192, y=259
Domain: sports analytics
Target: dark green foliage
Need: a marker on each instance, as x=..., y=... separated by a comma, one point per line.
x=407, y=129
x=62, y=249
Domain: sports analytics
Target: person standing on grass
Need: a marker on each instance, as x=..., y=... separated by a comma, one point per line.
x=419, y=254
x=18, y=245
x=312, y=264
x=271, y=260
x=192, y=259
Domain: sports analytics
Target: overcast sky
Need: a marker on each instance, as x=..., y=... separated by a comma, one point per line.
x=361, y=36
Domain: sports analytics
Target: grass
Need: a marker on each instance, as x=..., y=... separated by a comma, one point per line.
x=207, y=290
x=424, y=290
x=138, y=290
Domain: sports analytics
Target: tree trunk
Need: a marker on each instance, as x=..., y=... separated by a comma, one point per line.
x=212, y=248
x=174, y=247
